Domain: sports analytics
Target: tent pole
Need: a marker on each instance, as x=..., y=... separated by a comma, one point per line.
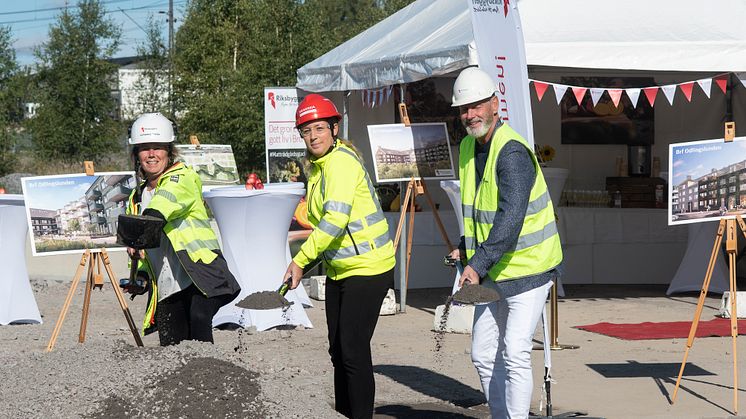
x=345, y=114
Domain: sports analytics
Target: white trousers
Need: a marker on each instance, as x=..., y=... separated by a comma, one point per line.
x=501, y=347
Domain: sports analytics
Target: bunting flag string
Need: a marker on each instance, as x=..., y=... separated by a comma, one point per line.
x=651, y=92
x=376, y=97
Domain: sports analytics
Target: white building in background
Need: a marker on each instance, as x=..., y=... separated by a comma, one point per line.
x=133, y=93
x=74, y=210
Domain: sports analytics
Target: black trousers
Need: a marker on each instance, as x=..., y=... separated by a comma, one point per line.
x=352, y=308
x=187, y=315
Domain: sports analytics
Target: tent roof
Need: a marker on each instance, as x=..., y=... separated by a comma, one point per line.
x=434, y=37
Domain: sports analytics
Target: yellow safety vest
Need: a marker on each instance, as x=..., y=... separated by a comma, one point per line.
x=538, y=248
x=189, y=231
x=350, y=231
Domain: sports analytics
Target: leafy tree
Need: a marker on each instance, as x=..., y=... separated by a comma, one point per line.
x=152, y=86
x=75, y=119
x=10, y=112
x=227, y=51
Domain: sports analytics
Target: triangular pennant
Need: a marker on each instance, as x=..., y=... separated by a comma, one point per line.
x=670, y=91
x=634, y=96
x=540, y=88
x=742, y=77
x=651, y=93
x=596, y=95
x=616, y=96
x=706, y=85
x=722, y=81
x=559, y=92
x=687, y=89
x=579, y=92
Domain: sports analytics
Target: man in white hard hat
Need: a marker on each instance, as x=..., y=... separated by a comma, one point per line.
x=510, y=243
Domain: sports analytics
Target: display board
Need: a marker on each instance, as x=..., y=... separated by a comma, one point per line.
x=708, y=180
x=214, y=163
x=285, y=148
x=402, y=152
x=71, y=213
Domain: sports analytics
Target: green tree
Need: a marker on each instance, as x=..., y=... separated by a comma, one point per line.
x=76, y=116
x=151, y=87
x=228, y=51
x=10, y=111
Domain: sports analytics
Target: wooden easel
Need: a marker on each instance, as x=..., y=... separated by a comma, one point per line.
x=94, y=259
x=415, y=187
x=727, y=227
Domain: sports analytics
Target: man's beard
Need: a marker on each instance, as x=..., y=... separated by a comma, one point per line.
x=480, y=131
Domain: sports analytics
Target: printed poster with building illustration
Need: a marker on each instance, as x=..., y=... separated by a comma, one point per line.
x=402, y=152
x=215, y=164
x=708, y=180
x=71, y=213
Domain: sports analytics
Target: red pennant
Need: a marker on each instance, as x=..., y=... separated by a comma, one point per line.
x=616, y=95
x=687, y=89
x=722, y=81
x=579, y=92
x=540, y=88
x=651, y=93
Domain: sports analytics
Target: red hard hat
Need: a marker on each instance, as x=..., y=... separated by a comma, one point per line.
x=315, y=107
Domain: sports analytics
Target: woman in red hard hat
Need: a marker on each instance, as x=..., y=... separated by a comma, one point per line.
x=351, y=236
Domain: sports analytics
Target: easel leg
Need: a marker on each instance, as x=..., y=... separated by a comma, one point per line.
x=87, y=299
x=438, y=221
x=68, y=300
x=122, y=303
x=700, y=303
x=734, y=326
x=410, y=238
x=403, y=209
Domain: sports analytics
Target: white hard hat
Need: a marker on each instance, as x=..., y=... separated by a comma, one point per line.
x=151, y=128
x=472, y=85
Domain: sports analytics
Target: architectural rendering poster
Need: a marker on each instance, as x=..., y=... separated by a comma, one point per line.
x=71, y=213
x=708, y=180
x=285, y=148
x=401, y=152
x=214, y=163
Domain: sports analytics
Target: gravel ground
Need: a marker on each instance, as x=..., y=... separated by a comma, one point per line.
x=287, y=373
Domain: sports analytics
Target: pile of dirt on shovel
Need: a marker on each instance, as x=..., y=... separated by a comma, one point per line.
x=264, y=300
x=475, y=294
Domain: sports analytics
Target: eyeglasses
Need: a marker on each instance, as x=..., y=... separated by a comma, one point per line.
x=317, y=130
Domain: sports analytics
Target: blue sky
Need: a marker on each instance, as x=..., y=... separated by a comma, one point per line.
x=53, y=193
x=699, y=158
x=29, y=21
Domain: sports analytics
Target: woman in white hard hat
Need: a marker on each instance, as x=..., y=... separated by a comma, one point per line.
x=187, y=276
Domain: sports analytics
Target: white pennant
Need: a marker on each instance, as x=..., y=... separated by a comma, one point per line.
x=596, y=95
x=634, y=96
x=742, y=77
x=670, y=91
x=706, y=85
x=559, y=92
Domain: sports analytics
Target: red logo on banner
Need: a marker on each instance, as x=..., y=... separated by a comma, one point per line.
x=271, y=98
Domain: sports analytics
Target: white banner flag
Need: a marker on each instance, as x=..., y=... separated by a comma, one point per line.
x=706, y=85
x=501, y=53
x=670, y=91
x=596, y=95
x=634, y=96
x=742, y=77
x=559, y=92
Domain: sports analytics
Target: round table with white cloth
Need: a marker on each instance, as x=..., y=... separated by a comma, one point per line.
x=17, y=303
x=253, y=227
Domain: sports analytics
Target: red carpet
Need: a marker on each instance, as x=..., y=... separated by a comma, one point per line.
x=664, y=330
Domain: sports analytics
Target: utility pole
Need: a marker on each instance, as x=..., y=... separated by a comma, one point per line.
x=171, y=57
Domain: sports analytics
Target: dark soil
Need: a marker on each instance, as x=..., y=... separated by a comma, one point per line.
x=264, y=300
x=441, y=332
x=201, y=388
x=475, y=294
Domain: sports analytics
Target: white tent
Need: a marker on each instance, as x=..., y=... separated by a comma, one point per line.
x=434, y=37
